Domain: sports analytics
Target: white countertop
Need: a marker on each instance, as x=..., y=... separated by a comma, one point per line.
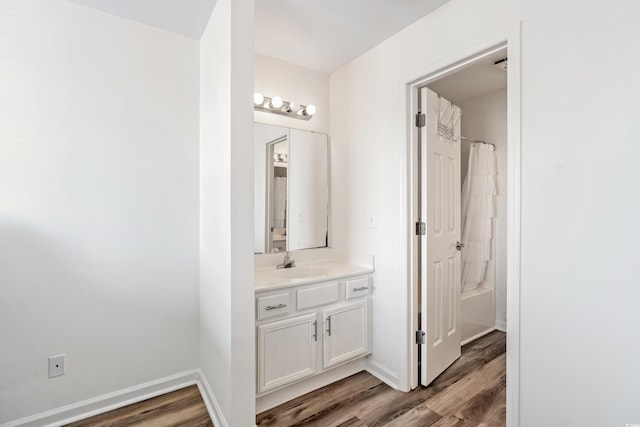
x=312, y=266
x=267, y=278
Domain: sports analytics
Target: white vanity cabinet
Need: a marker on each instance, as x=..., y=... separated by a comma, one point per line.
x=287, y=350
x=310, y=329
x=346, y=333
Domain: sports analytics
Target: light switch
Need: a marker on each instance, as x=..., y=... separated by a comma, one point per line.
x=371, y=219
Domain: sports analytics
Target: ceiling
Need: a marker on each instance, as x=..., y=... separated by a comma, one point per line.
x=325, y=35
x=320, y=35
x=477, y=79
x=188, y=18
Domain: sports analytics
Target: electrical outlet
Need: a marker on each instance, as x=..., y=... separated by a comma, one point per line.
x=371, y=219
x=56, y=365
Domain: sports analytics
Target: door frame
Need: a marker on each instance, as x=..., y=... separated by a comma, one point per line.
x=509, y=38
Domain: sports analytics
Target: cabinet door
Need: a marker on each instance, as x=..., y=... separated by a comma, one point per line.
x=346, y=333
x=286, y=351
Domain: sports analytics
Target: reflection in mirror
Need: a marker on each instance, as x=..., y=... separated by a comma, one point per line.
x=291, y=189
x=277, y=195
x=308, y=190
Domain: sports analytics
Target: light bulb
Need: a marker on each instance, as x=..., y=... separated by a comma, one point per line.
x=293, y=106
x=258, y=98
x=311, y=109
x=276, y=102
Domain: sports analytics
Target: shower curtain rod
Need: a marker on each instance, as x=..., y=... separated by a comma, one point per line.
x=477, y=140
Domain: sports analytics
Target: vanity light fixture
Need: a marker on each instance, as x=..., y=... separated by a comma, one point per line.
x=280, y=157
x=277, y=105
x=310, y=110
x=293, y=106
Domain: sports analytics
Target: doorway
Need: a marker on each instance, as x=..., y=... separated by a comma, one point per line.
x=508, y=270
x=480, y=92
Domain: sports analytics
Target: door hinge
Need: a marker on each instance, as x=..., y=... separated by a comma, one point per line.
x=421, y=120
x=421, y=337
x=421, y=228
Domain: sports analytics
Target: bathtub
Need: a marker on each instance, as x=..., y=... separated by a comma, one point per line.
x=478, y=313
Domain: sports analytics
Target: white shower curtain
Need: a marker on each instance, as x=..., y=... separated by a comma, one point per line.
x=279, y=202
x=478, y=211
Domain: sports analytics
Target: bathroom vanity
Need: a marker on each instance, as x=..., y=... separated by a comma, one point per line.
x=313, y=322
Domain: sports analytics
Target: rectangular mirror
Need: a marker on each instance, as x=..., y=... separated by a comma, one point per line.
x=291, y=189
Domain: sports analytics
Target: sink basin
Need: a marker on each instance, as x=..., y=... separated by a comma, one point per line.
x=301, y=272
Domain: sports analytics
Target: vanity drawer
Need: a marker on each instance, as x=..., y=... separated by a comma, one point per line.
x=318, y=295
x=273, y=305
x=356, y=288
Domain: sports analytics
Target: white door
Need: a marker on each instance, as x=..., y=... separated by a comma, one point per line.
x=287, y=351
x=346, y=334
x=439, y=266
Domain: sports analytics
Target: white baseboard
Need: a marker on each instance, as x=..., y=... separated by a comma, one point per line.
x=383, y=374
x=215, y=413
x=476, y=336
x=501, y=325
x=285, y=394
x=118, y=399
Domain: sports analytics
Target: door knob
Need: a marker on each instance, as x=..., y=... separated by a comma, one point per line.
x=459, y=246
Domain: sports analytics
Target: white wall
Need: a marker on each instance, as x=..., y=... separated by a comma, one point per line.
x=579, y=287
x=227, y=336
x=485, y=117
x=98, y=203
x=292, y=83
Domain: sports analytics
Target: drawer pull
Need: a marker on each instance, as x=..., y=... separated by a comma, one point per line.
x=361, y=288
x=275, y=307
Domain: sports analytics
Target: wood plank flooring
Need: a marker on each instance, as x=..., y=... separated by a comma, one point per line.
x=183, y=407
x=470, y=393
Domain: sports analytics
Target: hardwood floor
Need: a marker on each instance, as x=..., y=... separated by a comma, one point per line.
x=183, y=407
x=470, y=393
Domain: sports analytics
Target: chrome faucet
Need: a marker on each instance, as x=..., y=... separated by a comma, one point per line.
x=288, y=261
